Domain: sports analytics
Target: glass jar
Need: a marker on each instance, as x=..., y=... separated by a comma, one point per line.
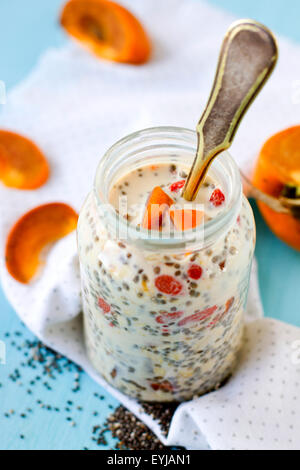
x=163, y=346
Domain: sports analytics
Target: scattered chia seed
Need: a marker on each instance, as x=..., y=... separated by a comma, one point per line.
x=161, y=412
x=131, y=433
x=46, y=363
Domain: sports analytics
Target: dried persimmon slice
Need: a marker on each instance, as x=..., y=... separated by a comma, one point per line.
x=108, y=29
x=32, y=233
x=22, y=164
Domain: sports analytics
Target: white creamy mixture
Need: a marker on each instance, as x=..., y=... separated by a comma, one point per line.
x=163, y=327
x=136, y=187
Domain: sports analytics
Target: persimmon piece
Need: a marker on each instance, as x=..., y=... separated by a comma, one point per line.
x=185, y=219
x=279, y=164
x=22, y=164
x=32, y=233
x=107, y=29
x=158, y=202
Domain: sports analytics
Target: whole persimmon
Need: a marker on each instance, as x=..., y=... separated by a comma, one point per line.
x=277, y=173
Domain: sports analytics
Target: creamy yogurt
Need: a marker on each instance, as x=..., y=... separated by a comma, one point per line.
x=134, y=189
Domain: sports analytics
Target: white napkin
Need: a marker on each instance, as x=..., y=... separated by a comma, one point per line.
x=75, y=107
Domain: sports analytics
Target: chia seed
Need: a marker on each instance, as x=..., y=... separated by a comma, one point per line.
x=133, y=434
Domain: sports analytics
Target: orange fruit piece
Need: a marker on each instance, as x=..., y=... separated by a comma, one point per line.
x=22, y=164
x=32, y=233
x=185, y=219
x=278, y=164
x=158, y=202
x=107, y=29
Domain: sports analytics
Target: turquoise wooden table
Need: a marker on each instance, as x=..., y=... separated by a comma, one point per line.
x=46, y=403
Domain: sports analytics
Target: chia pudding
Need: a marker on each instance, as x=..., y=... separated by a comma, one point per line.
x=163, y=315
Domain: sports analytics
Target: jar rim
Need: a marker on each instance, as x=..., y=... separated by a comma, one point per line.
x=213, y=228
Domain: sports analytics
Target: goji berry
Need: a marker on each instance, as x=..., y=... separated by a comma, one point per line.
x=168, y=285
x=217, y=197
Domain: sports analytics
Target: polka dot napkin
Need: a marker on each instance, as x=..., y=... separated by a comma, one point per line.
x=259, y=407
x=75, y=107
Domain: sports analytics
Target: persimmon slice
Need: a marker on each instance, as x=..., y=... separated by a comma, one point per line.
x=22, y=164
x=158, y=202
x=107, y=29
x=32, y=233
x=185, y=219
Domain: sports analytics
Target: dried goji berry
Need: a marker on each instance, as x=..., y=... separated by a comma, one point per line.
x=195, y=271
x=166, y=317
x=168, y=285
x=217, y=197
x=198, y=316
x=177, y=185
x=104, y=305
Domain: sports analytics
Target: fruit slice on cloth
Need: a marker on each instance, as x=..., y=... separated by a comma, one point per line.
x=186, y=219
x=157, y=204
x=107, y=29
x=278, y=166
x=32, y=233
x=22, y=164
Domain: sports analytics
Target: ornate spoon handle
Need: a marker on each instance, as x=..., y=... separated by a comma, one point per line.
x=247, y=58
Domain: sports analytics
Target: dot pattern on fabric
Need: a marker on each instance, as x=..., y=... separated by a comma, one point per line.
x=249, y=416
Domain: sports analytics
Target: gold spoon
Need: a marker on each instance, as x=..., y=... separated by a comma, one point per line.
x=247, y=58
